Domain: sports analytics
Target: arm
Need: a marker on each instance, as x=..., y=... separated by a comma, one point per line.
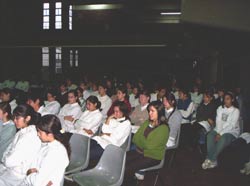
x=189, y=111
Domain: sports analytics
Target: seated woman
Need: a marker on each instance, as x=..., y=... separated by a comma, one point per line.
x=70, y=112
x=140, y=113
x=7, y=95
x=82, y=101
x=226, y=130
x=173, y=117
x=51, y=106
x=49, y=165
x=121, y=95
x=21, y=152
x=115, y=131
x=150, y=141
x=105, y=100
x=90, y=119
x=134, y=97
x=7, y=127
x=205, y=118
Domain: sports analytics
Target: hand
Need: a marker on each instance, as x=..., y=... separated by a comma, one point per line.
x=109, y=118
x=69, y=118
x=217, y=137
x=210, y=121
x=88, y=131
x=30, y=171
x=50, y=183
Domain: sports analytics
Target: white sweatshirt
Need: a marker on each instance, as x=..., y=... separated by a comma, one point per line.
x=106, y=103
x=227, y=121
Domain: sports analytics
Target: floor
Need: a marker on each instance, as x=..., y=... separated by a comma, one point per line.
x=186, y=171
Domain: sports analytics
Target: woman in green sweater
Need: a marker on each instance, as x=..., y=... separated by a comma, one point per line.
x=150, y=141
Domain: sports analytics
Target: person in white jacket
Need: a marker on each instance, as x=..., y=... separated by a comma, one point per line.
x=90, y=119
x=21, y=152
x=227, y=129
x=49, y=165
x=105, y=100
x=51, y=106
x=70, y=112
x=115, y=131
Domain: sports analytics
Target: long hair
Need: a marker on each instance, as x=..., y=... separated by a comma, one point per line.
x=94, y=100
x=160, y=111
x=123, y=108
x=51, y=124
x=171, y=99
x=26, y=110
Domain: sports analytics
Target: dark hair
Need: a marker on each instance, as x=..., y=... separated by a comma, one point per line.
x=26, y=110
x=52, y=91
x=122, y=89
x=79, y=89
x=146, y=93
x=123, y=108
x=171, y=98
x=73, y=92
x=160, y=111
x=209, y=94
x=185, y=92
x=5, y=107
x=51, y=124
x=232, y=96
x=36, y=94
x=10, y=92
x=103, y=84
x=94, y=100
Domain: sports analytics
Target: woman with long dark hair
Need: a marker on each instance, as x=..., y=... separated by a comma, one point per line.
x=49, y=166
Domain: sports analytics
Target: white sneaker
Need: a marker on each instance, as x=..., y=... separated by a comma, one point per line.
x=212, y=164
x=205, y=164
x=139, y=176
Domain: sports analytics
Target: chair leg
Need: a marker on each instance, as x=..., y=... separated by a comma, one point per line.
x=156, y=179
x=171, y=159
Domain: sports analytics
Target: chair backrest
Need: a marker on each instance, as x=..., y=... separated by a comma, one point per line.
x=112, y=163
x=126, y=145
x=80, y=148
x=177, y=141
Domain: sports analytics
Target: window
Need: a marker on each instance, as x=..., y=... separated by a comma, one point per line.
x=45, y=56
x=45, y=16
x=70, y=17
x=76, y=58
x=58, y=64
x=58, y=15
x=71, y=58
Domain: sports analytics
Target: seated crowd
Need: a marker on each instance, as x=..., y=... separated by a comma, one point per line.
x=35, y=124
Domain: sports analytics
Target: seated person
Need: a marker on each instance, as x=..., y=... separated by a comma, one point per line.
x=7, y=95
x=49, y=165
x=90, y=119
x=173, y=117
x=51, y=106
x=19, y=155
x=134, y=97
x=150, y=141
x=70, y=112
x=115, y=131
x=140, y=113
x=105, y=100
x=226, y=130
x=7, y=127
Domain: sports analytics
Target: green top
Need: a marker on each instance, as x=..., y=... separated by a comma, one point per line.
x=154, y=145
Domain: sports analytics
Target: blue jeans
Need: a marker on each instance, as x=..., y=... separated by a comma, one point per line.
x=214, y=148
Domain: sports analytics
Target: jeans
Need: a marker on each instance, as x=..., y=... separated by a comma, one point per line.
x=214, y=148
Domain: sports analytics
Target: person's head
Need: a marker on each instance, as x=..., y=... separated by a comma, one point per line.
x=63, y=87
x=229, y=99
x=135, y=90
x=79, y=91
x=72, y=97
x=109, y=83
x=35, y=99
x=6, y=95
x=102, y=89
x=169, y=101
x=162, y=92
x=51, y=95
x=92, y=103
x=121, y=110
x=208, y=97
x=25, y=115
x=5, y=111
x=49, y=129
x=221, y=92
x=128, y=85
x=196, y=89
x=183, y=94
x=156, y=113
x=68, y=82
x=83, y=85
x=144, y=97
x=121, y=93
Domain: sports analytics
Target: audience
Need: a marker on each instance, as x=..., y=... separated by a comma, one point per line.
x=105, y=100
x=7, y=95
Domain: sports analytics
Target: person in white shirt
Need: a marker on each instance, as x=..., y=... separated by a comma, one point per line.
x=84, y=87
x=134, y=97
x=115, y=131
x=51, y=106
x=196, y=96
x=94, y=89
x=70, y=112
x=8, y=96
x=105, y=100
x=49, y=165
x=7, y=127
x=25, y=146
x=226, y=130
x=36, y=101
x=90, y=119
